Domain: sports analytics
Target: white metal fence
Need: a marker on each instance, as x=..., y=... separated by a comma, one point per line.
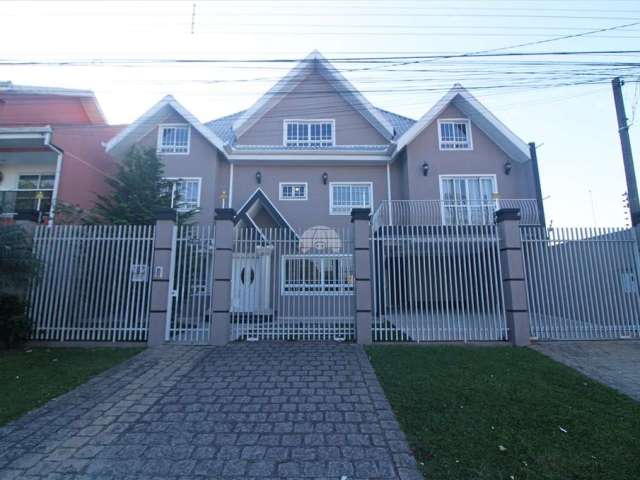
x=436, y=283
x=288, y=287
x=190, y=316
x=437, y=212
x=93, y=284
x=582, y=283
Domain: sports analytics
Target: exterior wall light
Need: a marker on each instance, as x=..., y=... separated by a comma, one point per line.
x=507, y=167
x=325, y=178
x=258, y=177
x=425, y=169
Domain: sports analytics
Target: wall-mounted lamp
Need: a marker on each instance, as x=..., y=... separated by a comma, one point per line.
x=258, y=177
x=325, y=178
x=425, y=169
x=507, y=167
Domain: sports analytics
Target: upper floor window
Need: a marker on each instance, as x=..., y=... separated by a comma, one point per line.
x=185, y=193
x=293, y=191
x=454, y=134
x=346, y=196
x=174, y=139
x=309, y=133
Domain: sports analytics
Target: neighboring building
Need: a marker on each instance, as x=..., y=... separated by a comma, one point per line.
x=51, y=149
x=312, y=148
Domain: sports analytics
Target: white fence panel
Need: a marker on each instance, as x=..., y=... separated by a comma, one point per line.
x=290, y=288
x=582, y=283
x=437, y=283
x=93, y=284
x=190, y=314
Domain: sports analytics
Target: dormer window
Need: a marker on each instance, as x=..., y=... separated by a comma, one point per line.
x=454, y=134
x=174, y=139
x=309, y=133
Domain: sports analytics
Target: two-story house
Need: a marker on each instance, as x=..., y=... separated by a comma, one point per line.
x=313, y=147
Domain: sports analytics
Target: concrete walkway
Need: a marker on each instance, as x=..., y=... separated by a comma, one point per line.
x=248, y=410
x=614, y=363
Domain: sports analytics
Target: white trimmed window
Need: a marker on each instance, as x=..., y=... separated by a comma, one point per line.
x=34, y=192
x=346, y=196
x=293, y=191
x=468, y=200
x=185, y=193
x=174, y=139
x=454, y=134
x=309, y=133
x=317, y=274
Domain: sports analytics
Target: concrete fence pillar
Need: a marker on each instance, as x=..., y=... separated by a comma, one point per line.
x=222, y=265
x=161, y=276
x=362, y=273
x=513, y=282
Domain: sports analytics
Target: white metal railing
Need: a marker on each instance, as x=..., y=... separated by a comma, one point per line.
x=437, y=283
x=93, y=284
x=440, y=212
x=287, y=287
x=189, y=318
x=582, y=283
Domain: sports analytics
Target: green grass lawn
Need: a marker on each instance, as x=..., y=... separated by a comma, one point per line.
x=505, y=413
x=30, y=378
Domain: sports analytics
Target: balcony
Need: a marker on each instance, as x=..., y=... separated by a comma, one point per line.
x=438, y=212
x=12, y=201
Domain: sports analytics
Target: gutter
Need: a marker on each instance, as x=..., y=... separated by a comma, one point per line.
x=56, y=182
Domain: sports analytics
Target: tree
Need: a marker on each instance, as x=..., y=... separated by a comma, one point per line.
x=138, y=190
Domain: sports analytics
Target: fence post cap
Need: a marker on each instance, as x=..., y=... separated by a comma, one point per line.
x=360, y=214
x=27, y=215
x=507, y=214
x=225, y=214
x=165, y=214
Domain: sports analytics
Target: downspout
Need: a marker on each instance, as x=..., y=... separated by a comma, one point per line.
x=56, y=181
x=536, y=178
x=231, y=185
x=389, y=194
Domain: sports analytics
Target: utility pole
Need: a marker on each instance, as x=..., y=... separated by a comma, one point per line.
x=627, y=157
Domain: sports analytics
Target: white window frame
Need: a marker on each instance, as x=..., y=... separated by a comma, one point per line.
x=39, y=175
x=467, y=122
x=161, y=128
x=281, y=196
x=442, y=178
x=322, y=288
x=309, y=123
x=331, y=207
x=174, y=180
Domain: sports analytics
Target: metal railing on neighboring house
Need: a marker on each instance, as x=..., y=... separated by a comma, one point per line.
x=441, y=212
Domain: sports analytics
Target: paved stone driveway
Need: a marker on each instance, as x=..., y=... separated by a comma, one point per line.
x=250, y=410
x=614, y=363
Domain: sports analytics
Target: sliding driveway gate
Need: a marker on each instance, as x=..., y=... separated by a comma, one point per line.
x=582, y=283
x=436, y=283
x=290, y=287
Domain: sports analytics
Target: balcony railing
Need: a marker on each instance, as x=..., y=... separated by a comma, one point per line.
x=13, y=200
x=439, y=212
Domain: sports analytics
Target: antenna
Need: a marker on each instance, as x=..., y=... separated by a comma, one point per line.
x=193, y=17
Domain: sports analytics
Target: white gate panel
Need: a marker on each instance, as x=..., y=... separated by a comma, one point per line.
x=287, y=287
x=93, y=283
x=582, y=283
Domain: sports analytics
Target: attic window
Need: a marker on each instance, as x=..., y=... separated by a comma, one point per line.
x=174, y=139
x=309, y=133
x=454, y=134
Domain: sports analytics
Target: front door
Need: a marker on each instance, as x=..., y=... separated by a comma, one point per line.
x=250, y=283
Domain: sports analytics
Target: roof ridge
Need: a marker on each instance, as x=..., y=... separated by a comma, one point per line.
x=396, y=114
x=225, y=117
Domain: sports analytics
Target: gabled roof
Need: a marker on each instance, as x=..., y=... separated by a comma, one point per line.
x=259, y=198
x=479, y=115
x=8, y=86
x=313, y=61
x=154, y=115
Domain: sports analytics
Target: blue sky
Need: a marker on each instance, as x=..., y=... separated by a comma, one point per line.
x=581, y=166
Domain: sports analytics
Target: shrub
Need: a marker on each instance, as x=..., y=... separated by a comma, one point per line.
x=15, y=327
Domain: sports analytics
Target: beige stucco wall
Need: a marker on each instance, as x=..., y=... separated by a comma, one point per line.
x=313, y=99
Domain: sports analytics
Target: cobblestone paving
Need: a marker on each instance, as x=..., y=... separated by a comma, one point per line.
x=614, y=363
x=249, y=410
